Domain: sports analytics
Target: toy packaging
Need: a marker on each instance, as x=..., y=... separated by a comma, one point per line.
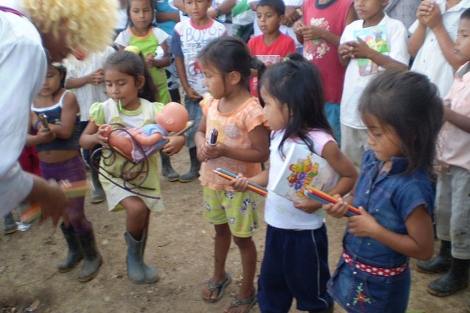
x=302, y=168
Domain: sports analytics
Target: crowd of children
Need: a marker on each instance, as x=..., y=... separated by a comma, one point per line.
x=387, y=107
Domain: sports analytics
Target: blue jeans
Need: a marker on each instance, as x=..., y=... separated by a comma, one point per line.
x=195, y=114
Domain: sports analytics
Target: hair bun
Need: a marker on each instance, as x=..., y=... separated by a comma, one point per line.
x=132, y=49
x=256, y=63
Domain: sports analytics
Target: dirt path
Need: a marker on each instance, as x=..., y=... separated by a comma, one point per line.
x=179, y=246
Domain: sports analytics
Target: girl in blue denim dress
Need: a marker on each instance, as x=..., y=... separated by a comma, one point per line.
x=394, y=193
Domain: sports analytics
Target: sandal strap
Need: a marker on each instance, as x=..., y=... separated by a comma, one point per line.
x=239, y=302
x=214, y=286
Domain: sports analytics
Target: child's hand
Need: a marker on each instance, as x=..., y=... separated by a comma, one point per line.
x=434, y=18
x=212, y=152
x=45, y=135
x=212, y=13
x=308, y=205
x=345, y=50
x=174, y=144
x=338, y=209
x=361, y=49
x=150, y=60
x=298, y=26
x=193, y=95
x=96, y=77
x=424, y=10
x=102, y=134
x=364, y=225
x=240, y=184
x=312, y=32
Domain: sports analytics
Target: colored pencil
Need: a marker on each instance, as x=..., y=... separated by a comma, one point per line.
x=325, y=198
x=251, y=186
x=72, y=190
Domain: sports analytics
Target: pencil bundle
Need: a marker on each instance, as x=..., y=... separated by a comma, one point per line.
x=251, y=186
x=325, y=198
x=72, y=190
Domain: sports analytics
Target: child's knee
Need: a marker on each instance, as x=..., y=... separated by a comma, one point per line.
x=243, y=242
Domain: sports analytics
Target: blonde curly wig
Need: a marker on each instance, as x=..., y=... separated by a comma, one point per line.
x=90, y=24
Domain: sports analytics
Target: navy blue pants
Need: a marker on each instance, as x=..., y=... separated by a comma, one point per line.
x=295, y=265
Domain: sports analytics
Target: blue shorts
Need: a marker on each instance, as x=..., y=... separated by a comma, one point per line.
x=295, y=265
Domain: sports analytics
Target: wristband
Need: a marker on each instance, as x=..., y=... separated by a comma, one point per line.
x=36, y=124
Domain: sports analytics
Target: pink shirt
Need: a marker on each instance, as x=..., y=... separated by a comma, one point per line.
x=454, y=143
x=233, y=128
x=269, y=55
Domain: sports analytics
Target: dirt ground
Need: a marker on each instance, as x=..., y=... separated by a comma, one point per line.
x=180, y=247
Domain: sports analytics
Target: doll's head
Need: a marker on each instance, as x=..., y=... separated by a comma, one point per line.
x=173, y=117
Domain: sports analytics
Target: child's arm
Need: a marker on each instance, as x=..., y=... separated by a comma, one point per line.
x=418, y=243
x=224, y=7
x=95, y=78
x=291, y=15
x=434, y=22
x=192, y=94
x=163, y=62
x=345, y=169
x=179, y=4
x=70, y=109
x=458, y=120
x=92, y=136
x=417, y=38
x=306, y=32
x=259, y=151
x=167, y=16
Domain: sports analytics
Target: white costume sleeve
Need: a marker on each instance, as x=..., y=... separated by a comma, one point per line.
x=23, y=67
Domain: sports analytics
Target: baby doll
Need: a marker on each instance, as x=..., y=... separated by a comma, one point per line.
x=173, y=118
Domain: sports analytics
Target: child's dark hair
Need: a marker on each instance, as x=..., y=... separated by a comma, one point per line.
x=296, y=83
x=465, y=14
x=230, y=54
x=410, y=103
x=277, y=5
x=133, y=65
x=62, y=71
x=152, y=7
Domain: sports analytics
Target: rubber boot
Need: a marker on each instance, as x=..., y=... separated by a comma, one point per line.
x=92, y=257
x=151, y=275
x=438, y=264
x=167, y=169
x=194, y=170
x=9, y=224
x=98, y=195
x=74, y=254
x=137, y=271
x=456, y=279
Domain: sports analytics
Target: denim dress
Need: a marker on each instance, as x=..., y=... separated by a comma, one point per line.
x=371, y=277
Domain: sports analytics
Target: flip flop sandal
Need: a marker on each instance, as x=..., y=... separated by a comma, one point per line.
x=251, y=301
x=221, y=284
